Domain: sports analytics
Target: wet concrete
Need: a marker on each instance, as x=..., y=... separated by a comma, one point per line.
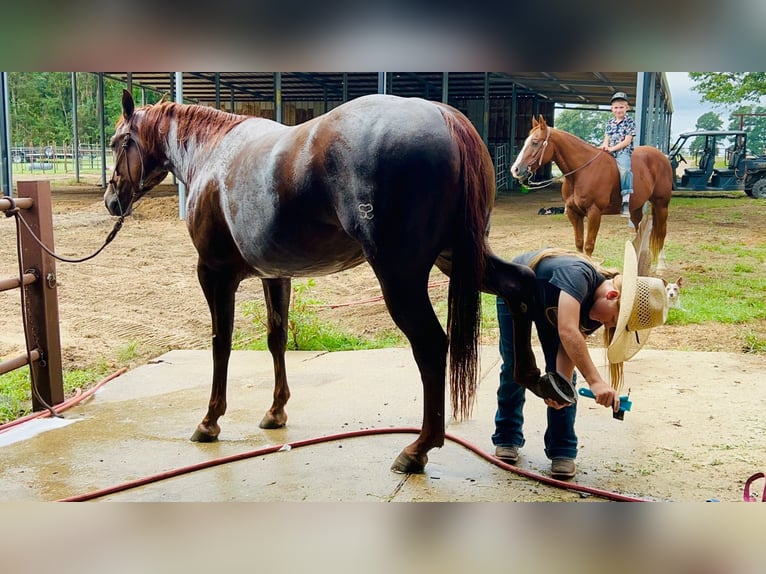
x=139, y=424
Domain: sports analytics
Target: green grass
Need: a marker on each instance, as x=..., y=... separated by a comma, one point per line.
x=726, y=288
x=16, y=389
x=306, y=329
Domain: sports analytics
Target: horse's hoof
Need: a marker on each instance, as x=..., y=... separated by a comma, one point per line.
x=527, y=379
x=405, y=464
x=202, y=436
x=271, y=422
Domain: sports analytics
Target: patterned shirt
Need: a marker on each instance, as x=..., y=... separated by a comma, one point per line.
x=616, y=132
x=571, y=275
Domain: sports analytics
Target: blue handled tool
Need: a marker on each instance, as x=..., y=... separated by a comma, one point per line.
x=625, y=403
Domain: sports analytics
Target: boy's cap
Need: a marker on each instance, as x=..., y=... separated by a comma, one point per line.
x=619, y=96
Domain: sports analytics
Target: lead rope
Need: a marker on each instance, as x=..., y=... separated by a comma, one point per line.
x=15, y=212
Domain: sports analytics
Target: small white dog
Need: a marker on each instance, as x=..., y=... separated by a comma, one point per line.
x=673, y=291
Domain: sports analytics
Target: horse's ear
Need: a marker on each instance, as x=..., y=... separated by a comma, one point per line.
x=542, y=122
x=128, y=106
x=534, y=122
x=164, y=98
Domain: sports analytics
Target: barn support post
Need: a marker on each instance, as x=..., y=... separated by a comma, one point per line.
x=42, y=295
x=6, y=178
x=179, y=83
x=75, y=129
x=102, y=119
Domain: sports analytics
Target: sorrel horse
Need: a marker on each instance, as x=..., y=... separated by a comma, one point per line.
x=404, y=184
x=591, y=186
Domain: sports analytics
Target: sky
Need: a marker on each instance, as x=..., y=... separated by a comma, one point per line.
x=687, y=104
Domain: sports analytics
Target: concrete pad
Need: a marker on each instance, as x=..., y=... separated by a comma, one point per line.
x=139, y=425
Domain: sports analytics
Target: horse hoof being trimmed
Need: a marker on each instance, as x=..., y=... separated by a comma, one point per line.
x=405, y=464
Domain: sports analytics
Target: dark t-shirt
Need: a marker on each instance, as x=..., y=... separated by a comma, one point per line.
x=571, y=275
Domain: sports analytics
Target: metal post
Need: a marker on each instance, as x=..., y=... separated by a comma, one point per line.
x=278, y=96
x=445, y=87
x=181, y=185
x=102, y=137
x=6, y=179
x=75, y=129
x=485, y=115
x=42, y=295
x=381, y=82
x=512, y=139
x=217, y=90
x=640, y=108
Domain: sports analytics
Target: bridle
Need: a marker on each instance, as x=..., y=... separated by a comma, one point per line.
x=543, y=146
x=539, y=160
x=136, y=190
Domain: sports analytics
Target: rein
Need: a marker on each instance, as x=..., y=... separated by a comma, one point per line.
x=538, y=184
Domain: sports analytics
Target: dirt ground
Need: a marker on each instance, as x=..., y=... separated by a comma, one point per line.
x=140, y=296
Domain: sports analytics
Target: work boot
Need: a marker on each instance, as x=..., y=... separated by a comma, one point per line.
x=509, y=454
x=563, y=468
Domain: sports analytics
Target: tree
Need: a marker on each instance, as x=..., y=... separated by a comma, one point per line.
x=729, y=87
x=40, y=105
x=753, y=120
x=707, y=121
x=587, y=124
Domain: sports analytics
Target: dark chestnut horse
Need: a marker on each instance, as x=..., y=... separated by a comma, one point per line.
x=591, y=186
x=404, y=184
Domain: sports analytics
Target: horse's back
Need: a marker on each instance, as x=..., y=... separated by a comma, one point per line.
x=364, y=177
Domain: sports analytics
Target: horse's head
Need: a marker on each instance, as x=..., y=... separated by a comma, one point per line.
x=139, y=164
x=535, y=151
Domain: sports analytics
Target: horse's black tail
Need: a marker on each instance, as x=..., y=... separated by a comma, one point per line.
x=469, y=254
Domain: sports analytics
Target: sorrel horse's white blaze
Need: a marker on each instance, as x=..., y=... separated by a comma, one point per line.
x=523, y=153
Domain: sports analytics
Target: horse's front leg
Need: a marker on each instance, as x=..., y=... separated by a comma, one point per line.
x=594, y=223
x=219, y=287
x=516, y=285
x=576, y=218
x=277, y=294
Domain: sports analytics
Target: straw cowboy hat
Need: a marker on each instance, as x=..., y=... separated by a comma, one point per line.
x=643, y=306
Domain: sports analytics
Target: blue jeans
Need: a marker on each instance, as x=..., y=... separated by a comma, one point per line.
x=626, y=175
x=560, y=438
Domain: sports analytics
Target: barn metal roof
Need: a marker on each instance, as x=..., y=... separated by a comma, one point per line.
x=558, y=87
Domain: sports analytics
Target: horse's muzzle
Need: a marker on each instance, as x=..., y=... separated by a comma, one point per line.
x=113, y=205
x=522, y=173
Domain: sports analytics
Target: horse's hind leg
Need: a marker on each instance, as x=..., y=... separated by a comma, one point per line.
x=516, y=285
x=277, y=293
x=406, y=297
x=219, y=287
